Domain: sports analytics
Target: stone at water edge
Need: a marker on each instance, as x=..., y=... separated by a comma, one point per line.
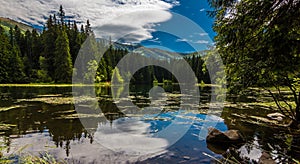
x=266, y=158
x=276, y=116
x=230, y=136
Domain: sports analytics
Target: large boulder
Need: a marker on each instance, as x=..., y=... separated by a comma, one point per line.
x=228, y=137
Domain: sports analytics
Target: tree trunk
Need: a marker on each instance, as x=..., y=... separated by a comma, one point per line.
x=296, y=122
x=298, y=110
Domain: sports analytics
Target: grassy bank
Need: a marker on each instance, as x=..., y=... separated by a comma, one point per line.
x=71, y=85
x=52, y=85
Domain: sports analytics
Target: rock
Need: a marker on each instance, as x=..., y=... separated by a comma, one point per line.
x=230, y=136
x=186, y=157
x=217, y=148
x=266, y=158
x=233, y=135
x=276, y=116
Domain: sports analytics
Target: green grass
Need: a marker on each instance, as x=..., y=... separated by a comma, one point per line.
x=43, y=159
x=26, y=158
x=70, y=85
x=52, y=85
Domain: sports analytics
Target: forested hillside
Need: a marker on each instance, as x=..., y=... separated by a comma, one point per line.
x=49, y=56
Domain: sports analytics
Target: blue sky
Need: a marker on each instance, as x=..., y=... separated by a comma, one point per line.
x=195, y=10
x=133, y=21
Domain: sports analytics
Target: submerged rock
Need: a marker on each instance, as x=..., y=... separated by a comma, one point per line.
x=266, y=158
x=276, y=116
x=228, y=137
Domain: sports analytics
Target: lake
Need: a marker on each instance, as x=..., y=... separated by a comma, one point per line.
x=37, y=120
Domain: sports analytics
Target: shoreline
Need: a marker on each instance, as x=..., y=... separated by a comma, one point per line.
x=79, y=85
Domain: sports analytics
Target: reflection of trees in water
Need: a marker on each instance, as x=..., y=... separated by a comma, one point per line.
x=277, y=141
x=110, y=110
x=38, y=117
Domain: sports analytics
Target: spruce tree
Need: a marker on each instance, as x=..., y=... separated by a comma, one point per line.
x=61, y=14
x=62, y=60
x=48, y=37
x=16, y=66
x=4, y=54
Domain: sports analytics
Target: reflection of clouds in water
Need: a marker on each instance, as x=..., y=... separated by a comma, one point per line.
x=131, y=136
x=128, y=137
x=210, y=121
x=252, y=151
x=33, y=142
x=81, y=151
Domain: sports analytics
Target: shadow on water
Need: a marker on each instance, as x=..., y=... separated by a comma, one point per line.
x=33, y=120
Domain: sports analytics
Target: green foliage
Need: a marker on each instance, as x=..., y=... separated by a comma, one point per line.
x=117, y=78
x=155, y=81
x=11, y=68
x=259, y=43
x=42, y=159
x=92, y=75
x=49, y=56
x=42, y=74
x=62, y=59
x=4, y=55
x=21, y=51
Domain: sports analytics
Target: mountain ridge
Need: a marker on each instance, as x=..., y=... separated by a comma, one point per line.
x=7, y=23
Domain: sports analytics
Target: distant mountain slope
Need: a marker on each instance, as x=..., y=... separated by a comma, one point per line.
x=157, y=53
x=148, y=52
x=6, y=23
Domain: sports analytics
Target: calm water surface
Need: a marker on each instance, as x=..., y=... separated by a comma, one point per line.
x=44, y=119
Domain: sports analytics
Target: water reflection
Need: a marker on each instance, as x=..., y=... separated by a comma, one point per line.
x=132, y=137
x=55, y=127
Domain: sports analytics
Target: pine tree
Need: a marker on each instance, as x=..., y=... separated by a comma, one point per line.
x=88, y=29
x=37, y=49
x=4, y=54
x=62, y=60
x=11, y=69
x=48, y=38
x=16, y=66
x=75, y=41
x=61, y=14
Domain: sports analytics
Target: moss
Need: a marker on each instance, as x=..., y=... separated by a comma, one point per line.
x=5, y=127
x=2, y=109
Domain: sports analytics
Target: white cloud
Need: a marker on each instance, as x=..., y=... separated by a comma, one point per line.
x=192, y=41
x=182, y=40
x=122, y=16
x=155, y=40
x=201, y=42
x=197, y=34
x=135, y=26
x=203, y=34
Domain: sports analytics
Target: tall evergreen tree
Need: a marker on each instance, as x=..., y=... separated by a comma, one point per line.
x=16, y=66
x=48, y=38
x=61, y=14
x=4, y=55
x=88, y=29
x=62, y=60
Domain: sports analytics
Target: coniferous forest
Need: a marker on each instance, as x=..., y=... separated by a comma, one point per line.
x=247, y=109
x=48, y=56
